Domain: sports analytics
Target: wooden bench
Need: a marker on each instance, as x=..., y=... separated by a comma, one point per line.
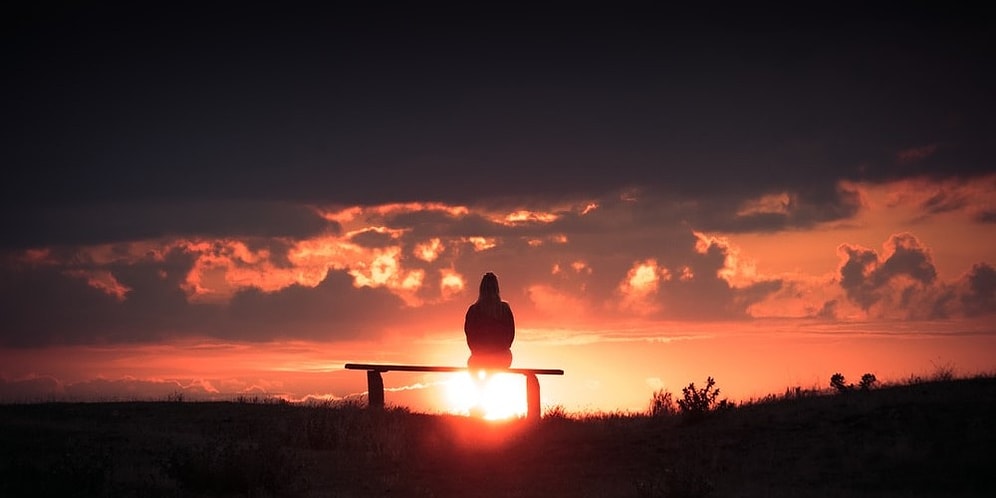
x=375, y=383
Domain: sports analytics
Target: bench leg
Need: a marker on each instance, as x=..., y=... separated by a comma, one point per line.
x=532, y=397
x=375, y=389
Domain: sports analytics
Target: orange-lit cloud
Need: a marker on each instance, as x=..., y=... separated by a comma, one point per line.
x=429, y=251
x=737, y=270
x=524, y=216
x=640, y=284
x=451, y=283
x=555, y=303
x=102, y=280
x=767, y=204
x=866, y=276
x=641, y=257
x=902, y=282
x=919, y=198
x=482, y=243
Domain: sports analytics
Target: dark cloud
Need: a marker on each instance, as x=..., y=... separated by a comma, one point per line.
x=136, y=390
x=855, y=273
x=706, y=295
x=109, y=222
x=754, y=293
x=41, y=389
x=333, y=310
x=973, y=295
x=48, y=305
x=909, y=257
x=866, y=277
x=944, y=201
x=904, y=283
x=45, y=305
x=986, y=217
x=804, y=208
x=33, y=390
x=980, y=295
x=110, y=103
x=373, y=238
x=937, y=306
x=828, y=311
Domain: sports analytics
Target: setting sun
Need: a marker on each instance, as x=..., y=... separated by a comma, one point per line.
x=497, y=396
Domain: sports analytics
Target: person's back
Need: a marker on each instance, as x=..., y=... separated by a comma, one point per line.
x=490, y=327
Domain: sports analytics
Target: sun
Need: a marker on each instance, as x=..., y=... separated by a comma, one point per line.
x=497, y=396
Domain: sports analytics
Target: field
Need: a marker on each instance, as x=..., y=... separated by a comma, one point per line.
x=917, y=439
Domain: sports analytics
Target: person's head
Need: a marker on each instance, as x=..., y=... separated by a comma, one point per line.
x=489, y=286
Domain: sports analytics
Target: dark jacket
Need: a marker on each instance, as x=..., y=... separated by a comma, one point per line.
x=487, y=334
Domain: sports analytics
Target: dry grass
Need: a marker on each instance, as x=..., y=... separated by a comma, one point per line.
x=924, y=438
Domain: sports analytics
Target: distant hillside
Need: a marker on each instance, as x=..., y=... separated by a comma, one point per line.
x=921, y=440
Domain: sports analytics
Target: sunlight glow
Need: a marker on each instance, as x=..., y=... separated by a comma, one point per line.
x=498, y=396
x=414, y=207
x=429, y=251
x=451, y=283
x=413, y=281
x=380, y=271
x=641, y=282
x=643, y=277
x=482, y=243
x=526, y=216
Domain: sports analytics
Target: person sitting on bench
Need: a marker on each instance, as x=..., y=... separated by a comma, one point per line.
x=490, y=328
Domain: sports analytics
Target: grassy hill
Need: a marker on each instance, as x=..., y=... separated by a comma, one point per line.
x=922, y=439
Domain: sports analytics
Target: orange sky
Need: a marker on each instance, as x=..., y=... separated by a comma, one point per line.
x=602, y=373
x=616, y=343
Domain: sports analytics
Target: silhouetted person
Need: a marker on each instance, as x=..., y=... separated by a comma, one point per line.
x=490, y=327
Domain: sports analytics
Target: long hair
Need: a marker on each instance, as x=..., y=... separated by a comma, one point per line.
x=489, y=298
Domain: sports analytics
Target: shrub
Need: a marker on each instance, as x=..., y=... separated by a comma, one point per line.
x=867, y=381
x=696, y=403
x=662, y=404
x=837, y=382
x=943, y=373
x=556, y=412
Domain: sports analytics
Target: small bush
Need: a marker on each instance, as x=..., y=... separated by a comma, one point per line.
x=837, y=382
x=556, y=412
x=696, y=403
x=867, y=381
x=662, y=404
x=943, y=373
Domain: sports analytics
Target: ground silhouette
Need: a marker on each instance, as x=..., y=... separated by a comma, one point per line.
x=922, y=439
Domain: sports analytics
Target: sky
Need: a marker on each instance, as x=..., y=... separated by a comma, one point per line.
x=237, y=199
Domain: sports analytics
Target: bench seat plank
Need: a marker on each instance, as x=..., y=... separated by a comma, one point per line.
x=427, y=368
x=375, y=383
